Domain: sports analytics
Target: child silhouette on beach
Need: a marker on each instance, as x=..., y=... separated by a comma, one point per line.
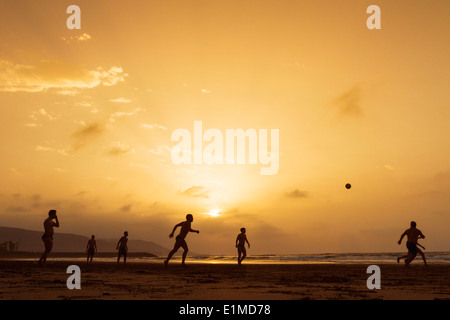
x=413, y=235
x=91, y=248
x=47, y=237
x=123, y=248
x=241, y=239
x=179, y=240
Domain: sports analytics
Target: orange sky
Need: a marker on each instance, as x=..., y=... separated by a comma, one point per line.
x=87, y=118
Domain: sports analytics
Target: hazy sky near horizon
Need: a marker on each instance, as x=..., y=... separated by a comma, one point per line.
x=87, y=117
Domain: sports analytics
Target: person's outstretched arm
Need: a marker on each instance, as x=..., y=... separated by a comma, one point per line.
x=402, y=236
x=248, y=243
x=192, y=230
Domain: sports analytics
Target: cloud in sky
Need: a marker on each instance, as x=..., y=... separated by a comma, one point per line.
x=153, y=126
x=92, y=129
x=35, y=116
x=119, y=149
x=48, y=74
x=296, y=194
x=120, y=100
x=196, y=192
x=119, y=114
x=82, y=38
x=63, y=152
x=348, y=103
x=96, y=128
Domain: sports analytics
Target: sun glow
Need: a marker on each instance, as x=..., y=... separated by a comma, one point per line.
x=213, y=212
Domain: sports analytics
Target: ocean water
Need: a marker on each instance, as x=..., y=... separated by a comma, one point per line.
x=372, y=258
x=322, y=258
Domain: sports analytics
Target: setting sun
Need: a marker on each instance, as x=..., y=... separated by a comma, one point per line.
x=213, y=213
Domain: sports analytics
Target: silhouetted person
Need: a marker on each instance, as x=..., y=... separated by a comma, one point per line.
x=180, y=242
x=413, y=235
x=122, y=247
x=91, y=248
x=240, y=245
x=47, y=237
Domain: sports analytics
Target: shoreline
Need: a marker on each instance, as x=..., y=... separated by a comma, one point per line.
x=24, y=280
x=434, y=257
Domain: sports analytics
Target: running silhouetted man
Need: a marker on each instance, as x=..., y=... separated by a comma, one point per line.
x=179, y=240
x=413, y=235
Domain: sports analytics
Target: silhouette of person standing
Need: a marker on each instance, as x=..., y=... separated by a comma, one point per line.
x=241, y=239
x=123, y=248
x=179, y=240
x=47, y=237
x=91, y=248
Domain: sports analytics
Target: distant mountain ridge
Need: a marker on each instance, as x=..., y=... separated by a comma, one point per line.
x=30, y=241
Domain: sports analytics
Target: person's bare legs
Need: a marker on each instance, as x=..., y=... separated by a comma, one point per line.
x=171, y=253
x=48, y=243
x=186, y=249
x=402, y=257
x=423, y=256
x=410, y=258
x=244, y=254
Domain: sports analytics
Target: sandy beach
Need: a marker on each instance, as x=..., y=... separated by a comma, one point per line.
x=23, y=280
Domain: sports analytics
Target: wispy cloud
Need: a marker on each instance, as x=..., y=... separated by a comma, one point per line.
x=32, y=125
x=82, y=38
x=42, y=113
x=63, y=152
x=153, y=126
x=120, y=100
x=348, y=103
x=85, y=104
x=119, y=114
x=196, y=192
x=126, y=208
x=63, y=77
x=92, y=129
x=120, y=148
x=95, y=129
x=296, y=194
x=159, y=150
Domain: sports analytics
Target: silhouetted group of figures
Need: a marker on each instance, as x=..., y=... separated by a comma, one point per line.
x=122, y=247
x=413, y=235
